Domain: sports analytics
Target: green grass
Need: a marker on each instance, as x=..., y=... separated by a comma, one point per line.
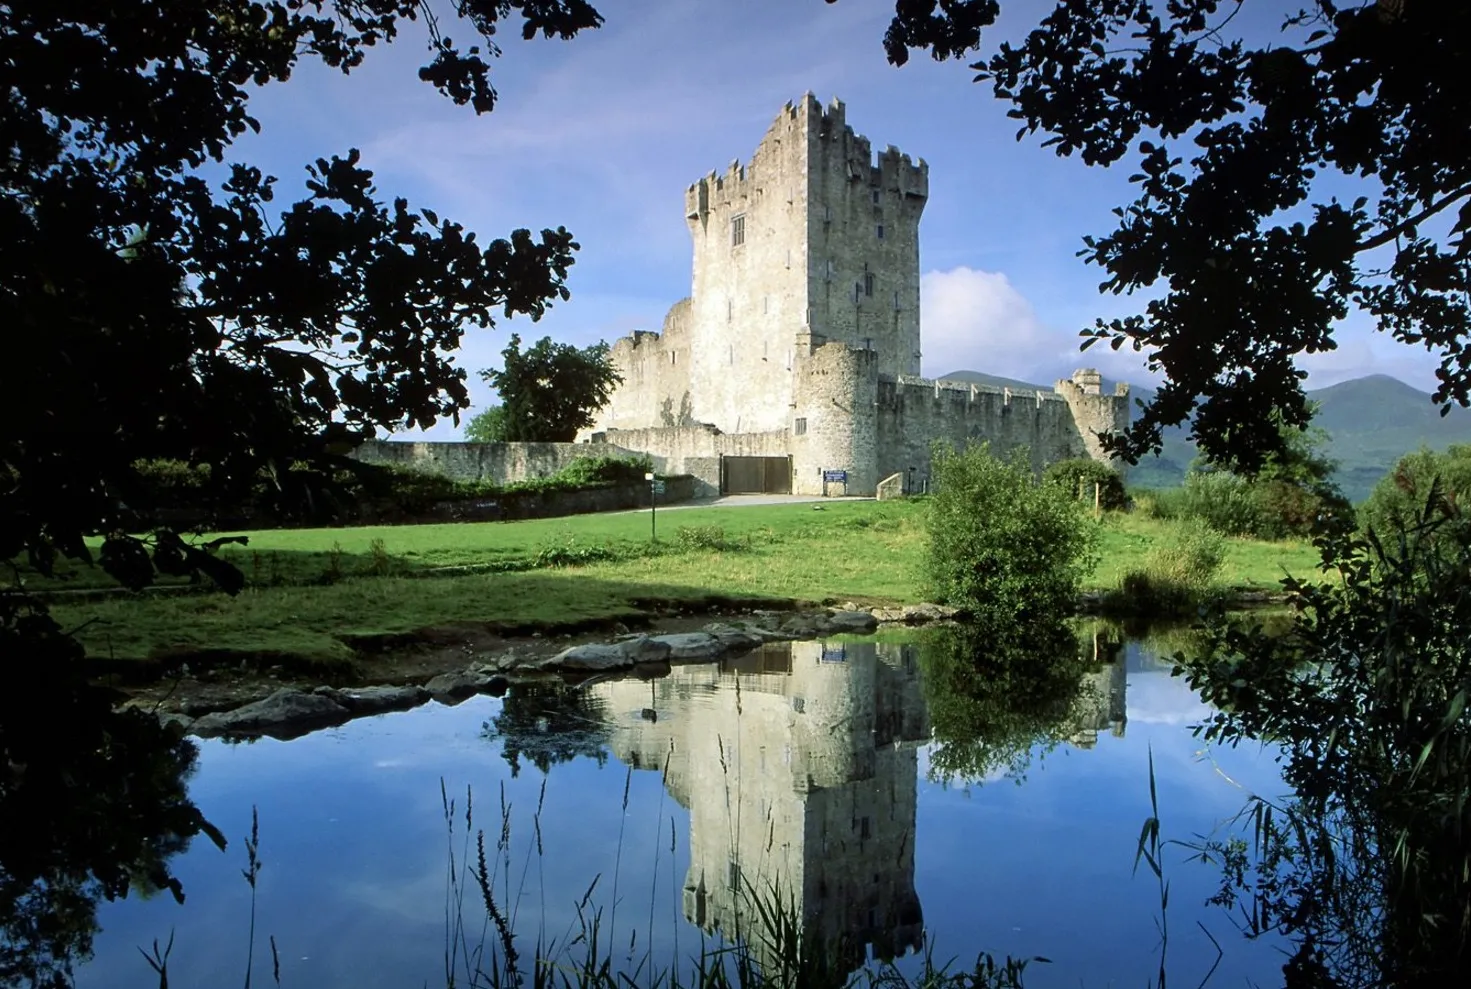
x=326, y=603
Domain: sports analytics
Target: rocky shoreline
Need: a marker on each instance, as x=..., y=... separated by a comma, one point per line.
x=291, y=711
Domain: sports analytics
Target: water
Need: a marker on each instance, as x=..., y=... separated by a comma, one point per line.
x=809, y=765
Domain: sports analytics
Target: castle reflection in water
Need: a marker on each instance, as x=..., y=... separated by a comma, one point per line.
x=799, y=765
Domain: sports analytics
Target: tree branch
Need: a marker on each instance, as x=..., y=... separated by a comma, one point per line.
x=1393, y=232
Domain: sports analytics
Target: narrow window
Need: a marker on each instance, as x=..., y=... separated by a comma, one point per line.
x=800, y=426
x=738, y=230
x=827, y=214
x=731, y=358
x=857, y=291
x=868, y=281
x=831, y=268
x=876, y=195
x=881, y=231
x=896, y=301
x=789, y=257
x=729, y=310
x=765, y=305
x=735, y=875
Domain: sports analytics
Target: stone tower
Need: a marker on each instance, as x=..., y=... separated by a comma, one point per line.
x=812, y=241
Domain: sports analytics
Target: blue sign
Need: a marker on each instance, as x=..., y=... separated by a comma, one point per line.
x=834, y=654
x=834, y=477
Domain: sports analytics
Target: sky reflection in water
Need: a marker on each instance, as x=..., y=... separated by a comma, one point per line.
x=815, y=767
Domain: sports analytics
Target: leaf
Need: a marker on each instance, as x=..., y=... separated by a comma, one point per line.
x=126, y=560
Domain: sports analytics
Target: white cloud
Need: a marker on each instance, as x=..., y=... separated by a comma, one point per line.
x=977, y=321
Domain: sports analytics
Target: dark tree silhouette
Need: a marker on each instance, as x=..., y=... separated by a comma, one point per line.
x=1285, y=182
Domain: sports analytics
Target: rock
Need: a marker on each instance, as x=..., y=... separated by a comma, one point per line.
x=800, y=627
x=450, y=688
x=285, y=714
x=691, y=645
x=919, y=613
x=850, y=621
x=363, y=701
x=735, y=638
x=643, y=649
x=888, y=614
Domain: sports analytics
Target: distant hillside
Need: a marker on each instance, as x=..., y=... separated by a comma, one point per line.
x=1372, y=422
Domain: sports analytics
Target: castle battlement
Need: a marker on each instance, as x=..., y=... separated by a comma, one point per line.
x=975, y=389
x=800, y=343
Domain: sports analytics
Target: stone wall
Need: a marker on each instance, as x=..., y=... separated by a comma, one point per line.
x=863, y=241
x=501, y=463
x=695, y=450
x=913, y=413
x=814, y=240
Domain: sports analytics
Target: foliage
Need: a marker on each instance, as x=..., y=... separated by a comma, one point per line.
x=1291, y=494
x=552, y=390
x=93, y=801
x=1400, y=499
x=548, y=723
x=1283, y=182
x=1367, y=868
x=996, y=535
x=1079, y=475
x=154, y=312
x=707, y=537
x=997, y=689
x=489, y=425
x=1175, y=577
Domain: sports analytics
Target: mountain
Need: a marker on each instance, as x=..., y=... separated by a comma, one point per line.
x=1371, y=422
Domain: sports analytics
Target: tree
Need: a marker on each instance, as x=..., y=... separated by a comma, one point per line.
x=1283, y=184
x=998, y=538
x=152, y=314
x=487, y=426
x=551, y=391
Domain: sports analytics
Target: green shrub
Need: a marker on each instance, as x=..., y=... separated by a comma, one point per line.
x=1420, y=480
x=998, y=538
x=1079, y=476
x=707, y=537
x=1176, y=576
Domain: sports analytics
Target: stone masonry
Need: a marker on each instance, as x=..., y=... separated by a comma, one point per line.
x=801, y=336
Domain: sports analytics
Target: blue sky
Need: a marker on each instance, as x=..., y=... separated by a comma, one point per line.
x=602, y=134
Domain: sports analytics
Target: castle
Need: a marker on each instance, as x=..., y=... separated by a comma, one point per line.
x=794, y=364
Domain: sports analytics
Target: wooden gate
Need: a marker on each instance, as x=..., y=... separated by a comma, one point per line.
x=755, y=475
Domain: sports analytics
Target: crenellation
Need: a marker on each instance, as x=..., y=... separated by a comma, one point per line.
x=803, y=325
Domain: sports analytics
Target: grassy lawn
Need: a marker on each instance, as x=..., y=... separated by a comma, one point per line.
x=313, y=591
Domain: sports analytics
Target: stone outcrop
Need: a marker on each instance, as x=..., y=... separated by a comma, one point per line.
x=289, y=713
x=285, y=714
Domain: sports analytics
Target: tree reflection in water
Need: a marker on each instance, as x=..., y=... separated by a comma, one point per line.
x=93, y=803
x=546, y=723
x=998, y=689
x=1367, y=869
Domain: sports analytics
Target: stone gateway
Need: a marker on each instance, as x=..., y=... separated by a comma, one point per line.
x=798, y=350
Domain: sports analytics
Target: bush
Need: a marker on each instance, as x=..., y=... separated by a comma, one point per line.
x=997, y=538
x=1079, y=475
x=1400, y=499
x=708, y=537
x=1176, y=576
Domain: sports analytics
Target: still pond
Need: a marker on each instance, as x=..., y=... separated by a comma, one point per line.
x=814, y=766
